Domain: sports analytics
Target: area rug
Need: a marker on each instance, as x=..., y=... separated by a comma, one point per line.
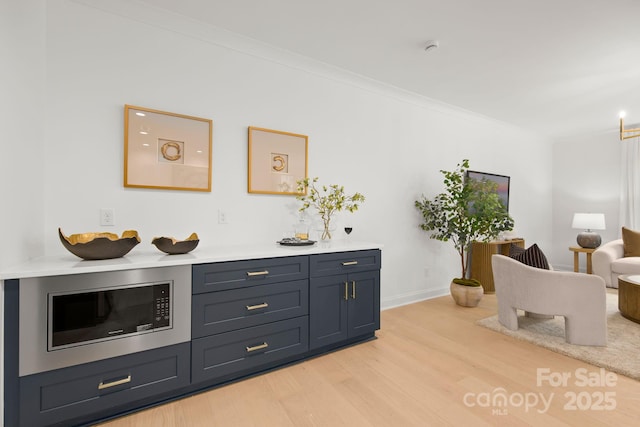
x=620, y=355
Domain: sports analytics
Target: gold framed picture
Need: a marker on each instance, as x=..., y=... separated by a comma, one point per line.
x=166, y=150
x=276, y=161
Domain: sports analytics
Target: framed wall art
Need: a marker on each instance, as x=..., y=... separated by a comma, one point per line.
x=166, y=150
x=276, y=161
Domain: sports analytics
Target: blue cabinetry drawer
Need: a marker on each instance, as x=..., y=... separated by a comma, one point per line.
x=221, y=276
x=236, y=352
x=344, y=262
x=224, y=311
x=72, y=395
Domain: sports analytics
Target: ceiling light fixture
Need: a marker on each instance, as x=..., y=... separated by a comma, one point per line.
x=432, y=44
x=627, y=133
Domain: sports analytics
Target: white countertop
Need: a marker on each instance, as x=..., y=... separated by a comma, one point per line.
x=149, y=258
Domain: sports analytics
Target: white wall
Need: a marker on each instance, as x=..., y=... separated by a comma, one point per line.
x=22, y=78
x=586, y=178
x=22, y=74
x=380, y=141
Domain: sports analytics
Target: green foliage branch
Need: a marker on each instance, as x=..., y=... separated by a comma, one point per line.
x=327, y=200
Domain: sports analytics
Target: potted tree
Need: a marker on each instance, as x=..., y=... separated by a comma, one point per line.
x=467, y=211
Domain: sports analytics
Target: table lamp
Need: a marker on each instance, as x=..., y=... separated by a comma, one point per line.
x=588, y=222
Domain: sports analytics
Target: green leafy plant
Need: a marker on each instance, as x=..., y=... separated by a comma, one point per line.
x=327, y=200
x=467, y=282
x=468, y=210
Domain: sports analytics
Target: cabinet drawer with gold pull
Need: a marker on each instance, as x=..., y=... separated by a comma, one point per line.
x=60, y=396
x=224, y=355
x=220, y=276
x=344, y=262
x=224, y=311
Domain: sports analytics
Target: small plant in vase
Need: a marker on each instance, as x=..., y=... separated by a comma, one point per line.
x=327, y=200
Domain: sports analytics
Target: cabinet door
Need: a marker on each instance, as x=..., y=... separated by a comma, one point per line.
x=364, y=303
x=328, y=300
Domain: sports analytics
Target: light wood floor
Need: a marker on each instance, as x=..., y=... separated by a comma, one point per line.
x=427, y=358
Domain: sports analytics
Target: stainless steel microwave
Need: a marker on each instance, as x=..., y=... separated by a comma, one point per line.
x=80, y=317
x=71, y=319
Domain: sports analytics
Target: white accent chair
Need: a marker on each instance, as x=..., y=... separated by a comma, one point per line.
x=580, y=298
x=610, y=263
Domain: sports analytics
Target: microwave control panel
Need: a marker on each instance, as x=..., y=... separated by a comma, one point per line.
x=162, y=305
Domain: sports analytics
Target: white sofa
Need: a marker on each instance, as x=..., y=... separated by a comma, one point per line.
x=580, y=298
x=609, y=262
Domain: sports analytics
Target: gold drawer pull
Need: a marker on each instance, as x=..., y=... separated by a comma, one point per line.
x=353, y=289
x=257, y=306
x=257, y=273
x=257, y=347
x=346, y=290
x=102, y=385
x=349, y=263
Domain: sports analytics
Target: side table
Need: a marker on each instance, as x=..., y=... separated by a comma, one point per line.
x=629, y=297
x=576, y=260
x=481, y=253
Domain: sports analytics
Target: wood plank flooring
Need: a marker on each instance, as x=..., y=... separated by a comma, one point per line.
x=430, y=366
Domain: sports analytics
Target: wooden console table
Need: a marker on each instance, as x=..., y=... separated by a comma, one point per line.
x=481, y=253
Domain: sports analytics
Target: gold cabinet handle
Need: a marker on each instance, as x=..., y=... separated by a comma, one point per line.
x=350, y=263
x=353, y=289
x=257, y=306
x=346, y=290
x=102, y=385
x=257, y=273
x=257, y=347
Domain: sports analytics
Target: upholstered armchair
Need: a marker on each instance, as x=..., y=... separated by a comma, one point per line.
x=610, y=263
x=580, y=298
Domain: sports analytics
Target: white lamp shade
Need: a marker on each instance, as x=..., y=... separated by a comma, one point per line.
x=588, y=221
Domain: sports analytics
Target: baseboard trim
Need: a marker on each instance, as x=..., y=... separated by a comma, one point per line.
x=412, y=297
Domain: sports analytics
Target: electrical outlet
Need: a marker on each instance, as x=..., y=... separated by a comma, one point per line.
x=222, y=217
x=107, y=217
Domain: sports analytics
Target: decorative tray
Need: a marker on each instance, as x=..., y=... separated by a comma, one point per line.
x=295, y=242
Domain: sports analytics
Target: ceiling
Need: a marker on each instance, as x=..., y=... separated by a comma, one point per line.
x=559, y=68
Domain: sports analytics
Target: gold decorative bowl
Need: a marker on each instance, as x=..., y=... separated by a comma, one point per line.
x=172, y=246
x=92, y=246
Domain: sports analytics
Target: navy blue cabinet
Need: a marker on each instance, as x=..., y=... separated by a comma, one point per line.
x=220, y=276
x=237, y=353
x=224, y=311
x=75, y=395
x=344, y=297
x=248, y=315
x=344, y=262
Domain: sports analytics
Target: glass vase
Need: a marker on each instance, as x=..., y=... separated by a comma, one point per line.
x=327, y=231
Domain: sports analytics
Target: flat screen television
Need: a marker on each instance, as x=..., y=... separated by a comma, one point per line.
x=502, y=181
